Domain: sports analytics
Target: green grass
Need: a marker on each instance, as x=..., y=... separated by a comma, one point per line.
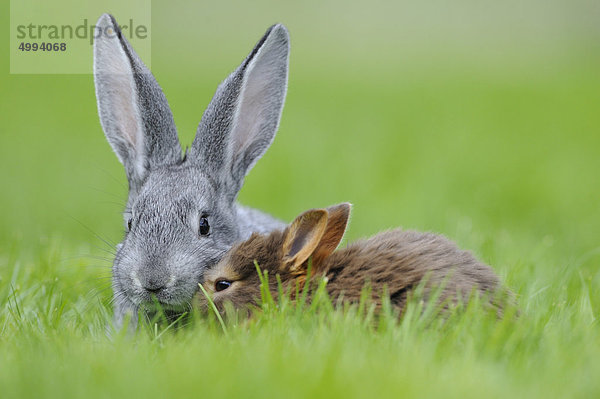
x=486, y=131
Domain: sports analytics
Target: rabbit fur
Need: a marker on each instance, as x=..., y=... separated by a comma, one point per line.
x=173, y=195
x=395, y=262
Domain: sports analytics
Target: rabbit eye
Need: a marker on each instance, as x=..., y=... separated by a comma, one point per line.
x=129, y=223
x=221, y=285
x=204, y=227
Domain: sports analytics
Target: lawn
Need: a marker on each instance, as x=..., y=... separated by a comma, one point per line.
x=485, y=129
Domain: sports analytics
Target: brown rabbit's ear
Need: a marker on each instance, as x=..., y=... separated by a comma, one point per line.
x=303, y=236
x=337, y=221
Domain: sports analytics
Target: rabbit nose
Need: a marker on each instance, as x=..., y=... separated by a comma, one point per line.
x=154, y=286
x=154, y=290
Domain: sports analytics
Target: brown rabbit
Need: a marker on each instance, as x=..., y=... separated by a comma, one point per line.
x=394, y=261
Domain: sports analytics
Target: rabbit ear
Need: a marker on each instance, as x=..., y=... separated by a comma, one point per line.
x=337, y=221
x=134, y=112
x=240, y=122
x=302, y=237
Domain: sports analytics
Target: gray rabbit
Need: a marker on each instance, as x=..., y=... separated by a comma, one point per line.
x=181, y=214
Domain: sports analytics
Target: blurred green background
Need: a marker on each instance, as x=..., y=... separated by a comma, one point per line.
x=430, y=116
x=476, y=119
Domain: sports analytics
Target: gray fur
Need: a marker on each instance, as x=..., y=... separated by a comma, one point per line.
x=240, y=122
x=129, y=96
x=163, y=253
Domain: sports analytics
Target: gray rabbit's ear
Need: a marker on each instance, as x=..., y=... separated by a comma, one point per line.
x=240, y=122
x=134, y=112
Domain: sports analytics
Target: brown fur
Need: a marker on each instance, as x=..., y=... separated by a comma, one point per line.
x=302, y=238
x=396, y=261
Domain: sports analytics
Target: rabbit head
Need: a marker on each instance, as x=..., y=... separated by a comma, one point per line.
x=181, y=214
x=313, y=235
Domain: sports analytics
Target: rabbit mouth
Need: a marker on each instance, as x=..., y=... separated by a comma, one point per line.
x=164, y=298
x=165, y=301
x=169, y=313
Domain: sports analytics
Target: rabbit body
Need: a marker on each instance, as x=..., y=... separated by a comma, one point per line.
x=394, y=262
x=397, y=261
